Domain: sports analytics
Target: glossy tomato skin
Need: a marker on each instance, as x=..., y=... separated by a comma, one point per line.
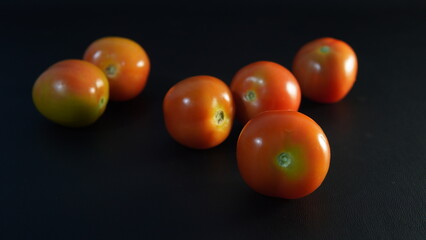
x=263, y=86
x=72, y=93
x=326, y=69
x=124, y=62
x=283, y=154
x=199, y=111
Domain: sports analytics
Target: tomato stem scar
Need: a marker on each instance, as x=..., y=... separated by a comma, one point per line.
x=284, y=159
x=219, y=117
x=101, y=102
x=325, y=49
x=250, y=96
x=111, y=70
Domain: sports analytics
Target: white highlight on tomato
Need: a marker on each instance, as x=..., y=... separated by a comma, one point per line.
x=59, y=86
x=322, y=141
x=99, y=83
x=258, y=141
x=316, y=66
x=226, y=97
x=291, y=88
x=186, y=101
x=349, y=65
x=97, y=54
x=141, y=63
x=257, y=80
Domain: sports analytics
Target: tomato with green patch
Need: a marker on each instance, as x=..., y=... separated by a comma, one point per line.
x=283, y=154
x=326, y=69
x=72, y=93
x=263, y=86
x=124, y=62
x=199, y=111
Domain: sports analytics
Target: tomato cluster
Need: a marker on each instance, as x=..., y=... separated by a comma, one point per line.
x=280, y=151
x=74, y=93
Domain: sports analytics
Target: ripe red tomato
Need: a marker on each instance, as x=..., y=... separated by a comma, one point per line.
x=283, y=154
x=198, y=111
x=263, y=86
x=124, y=62
x=326, y=69
x=72, y=93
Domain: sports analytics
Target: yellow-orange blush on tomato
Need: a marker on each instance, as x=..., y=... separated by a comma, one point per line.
x=72, y=93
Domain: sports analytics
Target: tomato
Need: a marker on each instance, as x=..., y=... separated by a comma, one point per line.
x=124, y=62
x=263, y=86
x=326, y=69
x=283, y=154
x=72, y=93
x=199, y=111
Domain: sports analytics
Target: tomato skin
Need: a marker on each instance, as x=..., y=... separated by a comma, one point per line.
x=124, y=62
x=283, y=154
x=326, y=69
x=263, y=86
x=72, y=93
x=199, y=111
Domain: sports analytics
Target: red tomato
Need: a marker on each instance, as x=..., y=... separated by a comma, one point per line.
x=198, y=111
x=326, y=69
x=72, y=93
x=124, y=62
x=283, y=154
x=263, y=86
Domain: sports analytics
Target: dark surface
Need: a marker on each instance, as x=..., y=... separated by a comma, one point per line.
x=125, y=178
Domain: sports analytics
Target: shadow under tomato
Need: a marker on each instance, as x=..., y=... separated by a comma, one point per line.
x=63, y=144
x=127, y=113
x=309, y=105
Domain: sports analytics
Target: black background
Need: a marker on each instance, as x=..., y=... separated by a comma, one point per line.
x=125, y=178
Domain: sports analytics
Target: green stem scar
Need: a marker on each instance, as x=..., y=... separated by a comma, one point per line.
x=250, y=96
x=101, y=102
x=111, y=70
x=325, y=49
x=219, y=117
x=284, y=159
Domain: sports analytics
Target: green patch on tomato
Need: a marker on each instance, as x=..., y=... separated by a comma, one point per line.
x=291, y=162
x=220, y=117
x=73, y=112
x=325, y=49
x=250, y=96
x=111, y=70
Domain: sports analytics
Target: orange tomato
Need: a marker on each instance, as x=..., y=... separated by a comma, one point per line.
x=72, y=93
x=283, y=154
x=326, y=69
x=124, y=62
x=263, y=86
x=199, y=111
